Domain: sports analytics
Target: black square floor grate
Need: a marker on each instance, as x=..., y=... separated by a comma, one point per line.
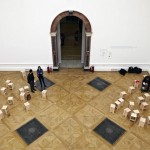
x=99, y=84
x=32, y=130
x=47, y=82
x=109, y=131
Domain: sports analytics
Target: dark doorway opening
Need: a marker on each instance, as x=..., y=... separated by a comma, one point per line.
x=71, y=41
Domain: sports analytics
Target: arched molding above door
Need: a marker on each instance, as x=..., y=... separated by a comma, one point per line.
x=73, y=13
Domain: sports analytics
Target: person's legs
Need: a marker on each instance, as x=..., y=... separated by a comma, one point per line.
x=43, y=81
x=40, y=81
x=32, y=86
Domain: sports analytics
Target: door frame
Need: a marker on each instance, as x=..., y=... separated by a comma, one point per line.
x=88, y=33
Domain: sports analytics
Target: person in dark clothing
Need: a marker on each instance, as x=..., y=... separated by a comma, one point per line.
x=30, y=79
x=40, y=76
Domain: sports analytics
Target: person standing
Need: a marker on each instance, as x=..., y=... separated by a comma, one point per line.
x=30, y=79
x=40, y=76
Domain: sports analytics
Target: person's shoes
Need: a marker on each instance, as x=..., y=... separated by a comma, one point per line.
x=32, y=91
x=44, y=85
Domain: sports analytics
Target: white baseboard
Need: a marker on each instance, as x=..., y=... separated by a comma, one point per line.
x=117, y=67
x=20, y=67
x=97, y=67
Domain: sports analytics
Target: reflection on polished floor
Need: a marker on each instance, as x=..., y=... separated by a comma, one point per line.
x=71, y=111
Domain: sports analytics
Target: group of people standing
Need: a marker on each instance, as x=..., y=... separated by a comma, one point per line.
x=40, y=76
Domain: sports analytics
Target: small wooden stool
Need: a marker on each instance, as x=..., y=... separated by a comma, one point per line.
x=137, y=112
x=126, y=112
x=1, y=115
x=10, y=100
x=131, y=105
x=118, y=104
x=27, y=106
x=146, y=96
x=26, y=88
x=144, y=105
x=7, y=82
x=148, y=120
x=24, y=75
x=5, y=109
x=140, y=99
x=11, y=86
x=131, y=89
x=123, y=94
x=22, y=96
x=133, y=117
x=121, y=100
x=44, y=94
x=112, y=108
x=21, y=90
x=142, y=122
x=3, y=90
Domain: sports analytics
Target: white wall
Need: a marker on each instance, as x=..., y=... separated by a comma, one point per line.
x=121, y=32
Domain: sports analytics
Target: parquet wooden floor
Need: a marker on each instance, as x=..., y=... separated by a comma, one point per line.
x=71, y=111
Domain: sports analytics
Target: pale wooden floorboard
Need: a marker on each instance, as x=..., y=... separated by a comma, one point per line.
x=71, y=111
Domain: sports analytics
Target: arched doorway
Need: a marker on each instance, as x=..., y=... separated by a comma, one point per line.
x=54, y=38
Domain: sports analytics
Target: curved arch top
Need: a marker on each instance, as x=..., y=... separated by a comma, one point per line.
x=73, y=13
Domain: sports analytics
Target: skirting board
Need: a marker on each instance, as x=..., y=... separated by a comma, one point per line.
x=117, y=67
x=21, y=67
x=97, y=67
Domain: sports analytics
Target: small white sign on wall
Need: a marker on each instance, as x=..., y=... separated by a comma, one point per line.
x=109, y=55
x=103, y=52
